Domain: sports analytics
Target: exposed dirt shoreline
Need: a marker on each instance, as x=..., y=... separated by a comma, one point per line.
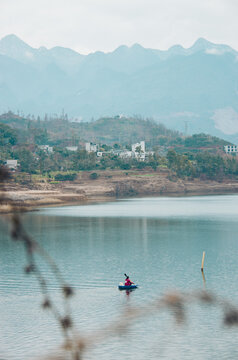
x=109, y=186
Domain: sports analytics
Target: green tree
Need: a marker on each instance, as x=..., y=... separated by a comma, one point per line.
x=27, y=161
x=7, y=135
x=40, y=136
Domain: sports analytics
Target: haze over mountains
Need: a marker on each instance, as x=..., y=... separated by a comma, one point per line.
x=197, y=86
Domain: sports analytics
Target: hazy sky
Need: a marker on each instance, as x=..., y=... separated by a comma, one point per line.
x=90, y=25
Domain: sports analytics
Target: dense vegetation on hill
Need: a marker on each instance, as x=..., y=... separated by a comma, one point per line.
x=60, y=131
x=199, y=155
x=202, y=165
x=108, y=130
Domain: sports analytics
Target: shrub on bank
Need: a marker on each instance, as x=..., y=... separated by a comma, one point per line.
x=93, y=176
x=65, y=177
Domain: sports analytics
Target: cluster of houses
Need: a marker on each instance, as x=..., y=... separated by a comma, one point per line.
x=137, y=151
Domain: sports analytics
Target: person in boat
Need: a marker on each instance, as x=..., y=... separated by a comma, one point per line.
x=128, y=282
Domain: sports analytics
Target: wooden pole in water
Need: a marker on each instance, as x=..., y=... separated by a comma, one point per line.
x=203, y=257
x=204, y=279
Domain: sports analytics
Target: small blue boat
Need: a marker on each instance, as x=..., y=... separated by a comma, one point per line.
x=131, y=287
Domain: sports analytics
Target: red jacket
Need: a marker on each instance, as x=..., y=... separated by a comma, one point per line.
x=128, y=282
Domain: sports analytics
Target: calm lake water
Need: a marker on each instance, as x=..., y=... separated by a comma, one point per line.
x=159, y=243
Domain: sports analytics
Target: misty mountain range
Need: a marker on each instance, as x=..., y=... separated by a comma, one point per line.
x=194, y=89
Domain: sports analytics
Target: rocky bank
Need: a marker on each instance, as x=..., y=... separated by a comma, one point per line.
x=108, y=186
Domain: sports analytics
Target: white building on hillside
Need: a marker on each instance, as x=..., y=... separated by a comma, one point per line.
x=140, y=145
x=72, y=148
x=139, y=150
x=90, y=147
x=125, y=154
x=12, y=164
x=46, y=148
x=231, y=149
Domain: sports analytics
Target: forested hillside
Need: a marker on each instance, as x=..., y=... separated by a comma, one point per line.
x=199, y=155
x=107, y=130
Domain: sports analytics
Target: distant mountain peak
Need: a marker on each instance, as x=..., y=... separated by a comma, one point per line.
x=202, y=41
x=124, y=49
x=177, y=46
x=13, y=40
x=15, y=48
x=121, y=48
x=201, y=44
x=137, y=46
x=211, y=48
x=11, y=37
x=176, y=50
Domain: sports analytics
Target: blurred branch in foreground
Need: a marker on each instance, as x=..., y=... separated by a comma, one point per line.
x=18, y=233
x=75, y=344
x=176, y=303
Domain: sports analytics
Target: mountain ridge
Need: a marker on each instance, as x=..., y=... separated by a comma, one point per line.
x=199, y=44
x=196, y=85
